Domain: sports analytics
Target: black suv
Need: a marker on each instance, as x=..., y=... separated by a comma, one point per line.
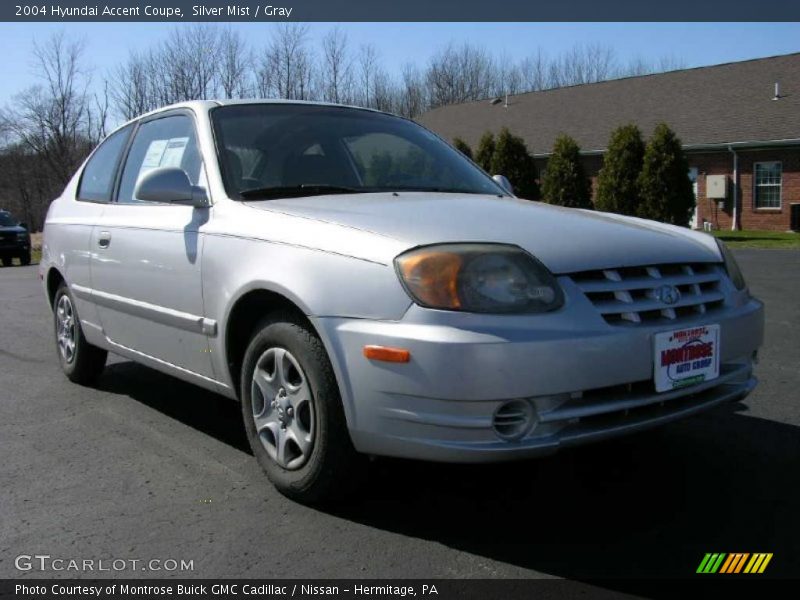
x=15, y=241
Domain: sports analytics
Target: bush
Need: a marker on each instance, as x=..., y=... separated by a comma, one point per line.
x=664, y=186
x=565, y=182
x=617, y=182
x=485, y=152
x=512, y=159
x=462, y=147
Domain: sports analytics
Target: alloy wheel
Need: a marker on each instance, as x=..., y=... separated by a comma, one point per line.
x=65, y=328
x=283, y=408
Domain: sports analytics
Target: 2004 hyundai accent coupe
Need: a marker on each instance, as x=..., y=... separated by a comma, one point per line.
x=364, y=289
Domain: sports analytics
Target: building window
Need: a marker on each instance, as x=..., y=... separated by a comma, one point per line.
x=767, y=178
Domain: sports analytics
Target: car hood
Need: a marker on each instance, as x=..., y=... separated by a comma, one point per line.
x=564, y=239
x=14, y=229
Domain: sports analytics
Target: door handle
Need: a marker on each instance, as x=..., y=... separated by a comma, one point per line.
x=104, y=239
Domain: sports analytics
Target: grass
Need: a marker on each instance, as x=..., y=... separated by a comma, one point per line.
x=759, y=239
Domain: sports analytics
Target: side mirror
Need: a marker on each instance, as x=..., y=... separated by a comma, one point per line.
x=170, y=185
x=504, y=183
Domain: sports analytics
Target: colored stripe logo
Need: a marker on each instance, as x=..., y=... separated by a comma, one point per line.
x=736, y=562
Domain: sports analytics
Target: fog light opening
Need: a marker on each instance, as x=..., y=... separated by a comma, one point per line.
x=514, y=419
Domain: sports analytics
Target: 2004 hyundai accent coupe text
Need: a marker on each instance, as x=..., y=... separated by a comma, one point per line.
x=364, y=289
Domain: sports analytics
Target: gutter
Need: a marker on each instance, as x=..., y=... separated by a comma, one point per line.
x=719, y=146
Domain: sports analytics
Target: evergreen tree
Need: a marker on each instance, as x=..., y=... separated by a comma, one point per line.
x=617, y=182
x=462, y=147
x=512, y=159
x=565, y=182
x=664, y=186
x=485, y=152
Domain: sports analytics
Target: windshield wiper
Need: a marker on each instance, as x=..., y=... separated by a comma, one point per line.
x=439, y=190
x=297, y=191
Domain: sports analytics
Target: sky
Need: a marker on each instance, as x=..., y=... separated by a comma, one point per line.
x=693, y=44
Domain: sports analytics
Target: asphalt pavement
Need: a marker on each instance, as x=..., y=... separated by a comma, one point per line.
x=142, y=466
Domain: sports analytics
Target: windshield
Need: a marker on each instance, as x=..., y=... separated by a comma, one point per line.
x=6, y=220
x=289, y=150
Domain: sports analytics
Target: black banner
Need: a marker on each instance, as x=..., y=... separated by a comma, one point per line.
x=407, y=10
x=352, y=589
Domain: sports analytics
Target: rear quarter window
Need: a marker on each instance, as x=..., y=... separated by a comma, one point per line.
x=97, y=180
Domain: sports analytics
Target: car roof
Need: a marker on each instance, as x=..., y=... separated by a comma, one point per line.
x=206, y=105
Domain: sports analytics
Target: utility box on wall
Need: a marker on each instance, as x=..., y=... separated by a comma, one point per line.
x=716, y=187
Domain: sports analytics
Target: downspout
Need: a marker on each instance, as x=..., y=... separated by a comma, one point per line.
x=735, y=190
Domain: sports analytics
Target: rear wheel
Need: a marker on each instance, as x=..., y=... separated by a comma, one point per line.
x=80, y=361
x=293, y=413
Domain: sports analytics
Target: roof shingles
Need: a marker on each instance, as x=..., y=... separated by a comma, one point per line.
x=725, y=103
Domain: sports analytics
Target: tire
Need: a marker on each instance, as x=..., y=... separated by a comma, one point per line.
x=299, y=409
x=81, y=362
x=7, y=260
x=25, y=259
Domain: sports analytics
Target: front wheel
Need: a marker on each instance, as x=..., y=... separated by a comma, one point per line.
x=25, y=259
x=7, y=261
x=293, y=413
x=81, y=362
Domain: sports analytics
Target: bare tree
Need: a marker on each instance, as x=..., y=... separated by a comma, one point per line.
x=413, y=95
x=534, y=71
x=638, y=65
x=187, y=64
x=131, y=90
x=385, y=92
x=367, y=69
x=286, y=66
x=51, y=127
x=234, y=64
x=460, y=74
x=54, y=119
x=583, y=64
x=336, y=72
x=508, y=76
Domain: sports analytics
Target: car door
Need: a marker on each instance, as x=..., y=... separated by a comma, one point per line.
x=146, y=256
x=69, y=229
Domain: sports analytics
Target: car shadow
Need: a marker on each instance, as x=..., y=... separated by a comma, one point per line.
x=644, y=506
x=205, y=411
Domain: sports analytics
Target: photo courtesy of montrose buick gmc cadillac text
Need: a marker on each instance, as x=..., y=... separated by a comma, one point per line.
x=363, y=289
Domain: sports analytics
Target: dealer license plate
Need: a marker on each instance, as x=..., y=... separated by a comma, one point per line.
x=686, y=357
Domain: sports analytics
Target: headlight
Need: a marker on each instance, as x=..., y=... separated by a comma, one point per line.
x=731, y=266
x=22, y=237
x=482, y=278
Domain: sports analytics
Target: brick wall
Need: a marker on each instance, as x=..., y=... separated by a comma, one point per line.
x=750, y=216
x=721, y=163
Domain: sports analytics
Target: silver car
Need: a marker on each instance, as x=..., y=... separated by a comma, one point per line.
x=362, y=289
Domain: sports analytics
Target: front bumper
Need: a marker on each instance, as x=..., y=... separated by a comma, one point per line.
x=587, y=380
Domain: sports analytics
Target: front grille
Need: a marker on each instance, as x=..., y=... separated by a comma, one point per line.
x=634, y=295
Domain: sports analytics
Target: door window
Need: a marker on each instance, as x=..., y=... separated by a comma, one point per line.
x=165, y=142
x=97, y=179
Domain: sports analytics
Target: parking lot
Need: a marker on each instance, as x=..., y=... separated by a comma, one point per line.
x=143, y=466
